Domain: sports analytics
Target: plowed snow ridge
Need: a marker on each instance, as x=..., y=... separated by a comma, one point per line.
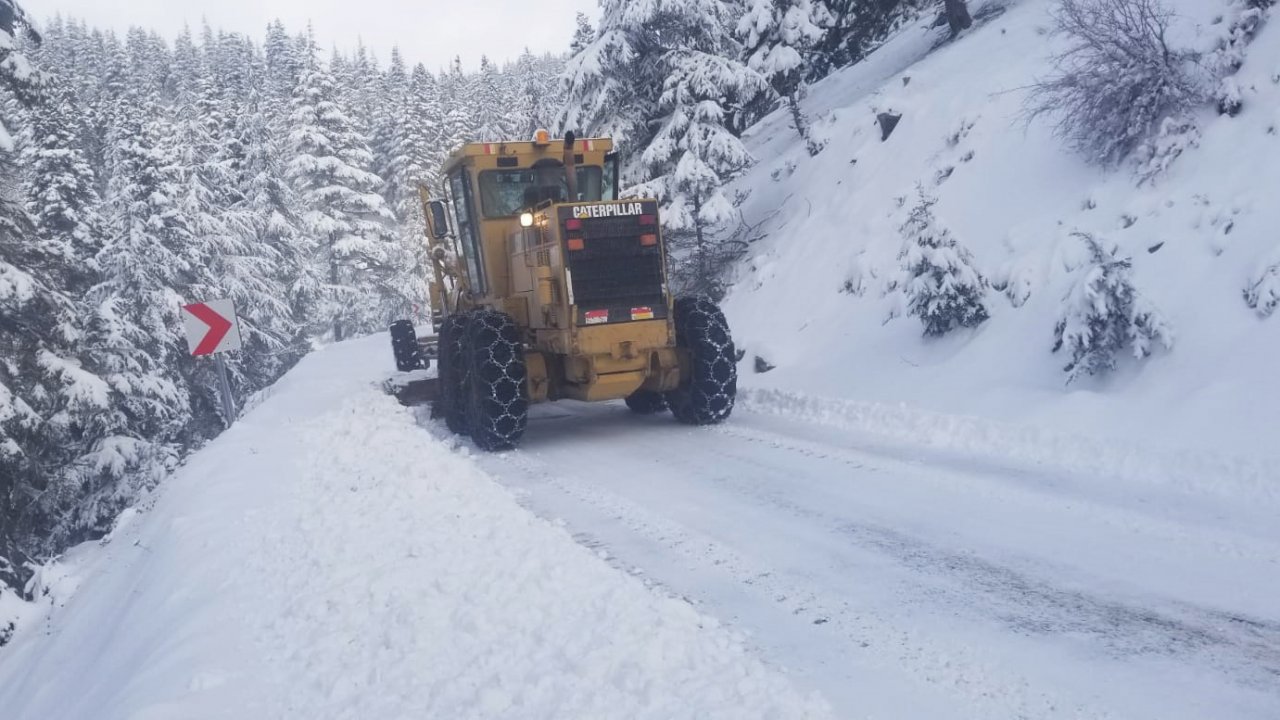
x=326, y=558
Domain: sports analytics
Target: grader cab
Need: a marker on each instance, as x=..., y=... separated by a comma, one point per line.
x=547, y=286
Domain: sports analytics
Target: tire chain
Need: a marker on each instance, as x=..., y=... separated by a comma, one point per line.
x=453, y=366
x=498, y=409
x=708, y=396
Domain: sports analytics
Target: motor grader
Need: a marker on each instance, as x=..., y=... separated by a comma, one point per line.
x=547, y=286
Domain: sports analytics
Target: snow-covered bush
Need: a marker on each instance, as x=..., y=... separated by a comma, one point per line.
x=1104, y=314
x=1229, y=98
x=1154, y=156
x=1245, y=17
x=1117, y=79
x=942, y=287
x=1263, y=291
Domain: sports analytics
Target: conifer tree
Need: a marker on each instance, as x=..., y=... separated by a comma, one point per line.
x=486, y=98
x=342, y=209
x=582, y=35
x=132, y=340
x=61, y=187
x=459, y=124
x=681, y=150
x=775, y=34
x=942, y=286
x=31, y=308
x=1104, y=314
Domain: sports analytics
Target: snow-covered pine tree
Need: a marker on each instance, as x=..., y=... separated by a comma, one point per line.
x=853, y=28
x=61, y=197
x=583, y=34
x=187, y=63
x=423, y=147
x=942, y=286
x=103, y=97
x=662, y=78
x=31, y=311
x=133, y=340
x=1104, y=314
x=364, y=265
x=60, y=186
x=280, y=276
x=611, y=86
x=775, y=34
x=363, y=88
x=283, y=71
x=389, y=125
x=419, y=154
x=225, y=263
x=487, y=102
x=459, y=125
x=537, y=93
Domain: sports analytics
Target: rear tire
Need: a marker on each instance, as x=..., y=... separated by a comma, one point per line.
x=646, y=402
x=705, y=397
x=452, y=371
x=405, y=347
x=497, y=407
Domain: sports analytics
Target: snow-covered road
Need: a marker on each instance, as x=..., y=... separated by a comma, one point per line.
x=912, y=583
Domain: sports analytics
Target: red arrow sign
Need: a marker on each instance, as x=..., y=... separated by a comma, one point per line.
x=218, y=327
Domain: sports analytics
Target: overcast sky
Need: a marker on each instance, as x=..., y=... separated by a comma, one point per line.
x=431, y=31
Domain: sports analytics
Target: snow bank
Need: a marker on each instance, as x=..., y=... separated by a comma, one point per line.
x=327, y=558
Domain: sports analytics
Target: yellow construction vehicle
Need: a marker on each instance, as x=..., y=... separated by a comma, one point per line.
x=547, y=286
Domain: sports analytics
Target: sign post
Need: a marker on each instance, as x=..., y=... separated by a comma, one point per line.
x=228, y=404
x=213, y=329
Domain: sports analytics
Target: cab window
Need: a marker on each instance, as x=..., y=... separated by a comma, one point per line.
x=463, y=208
x=610, y=191
x=504, y=193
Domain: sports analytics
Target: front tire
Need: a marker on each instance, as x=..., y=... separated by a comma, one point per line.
x=707, y=396
x=452, y=371
x=497, y=407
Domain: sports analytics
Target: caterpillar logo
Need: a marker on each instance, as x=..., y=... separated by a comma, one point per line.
x=617, y=210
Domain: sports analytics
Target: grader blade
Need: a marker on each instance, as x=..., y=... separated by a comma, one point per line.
x=413, y=388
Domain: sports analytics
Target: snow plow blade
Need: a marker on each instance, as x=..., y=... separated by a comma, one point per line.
x=412, y=388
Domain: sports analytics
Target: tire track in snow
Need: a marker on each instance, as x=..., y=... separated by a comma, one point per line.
x=1243, y=649
x=870, y=639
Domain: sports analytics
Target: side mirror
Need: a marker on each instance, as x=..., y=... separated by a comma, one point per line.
x=437, y=220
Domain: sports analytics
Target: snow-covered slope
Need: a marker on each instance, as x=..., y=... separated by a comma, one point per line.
x=328, y=558
x=812, y=299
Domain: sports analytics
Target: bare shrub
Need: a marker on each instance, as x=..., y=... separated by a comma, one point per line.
x=1118, y=78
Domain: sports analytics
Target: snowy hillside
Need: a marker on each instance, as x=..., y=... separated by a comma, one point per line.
x=815, y=301
x=326, y=558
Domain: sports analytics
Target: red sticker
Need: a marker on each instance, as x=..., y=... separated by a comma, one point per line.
x=595, y=317
x=641, y=313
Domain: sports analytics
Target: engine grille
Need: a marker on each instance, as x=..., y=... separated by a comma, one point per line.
x=615, y=278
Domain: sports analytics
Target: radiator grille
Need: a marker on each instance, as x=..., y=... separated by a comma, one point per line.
x=615, y=273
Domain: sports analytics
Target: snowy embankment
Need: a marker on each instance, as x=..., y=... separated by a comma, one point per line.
x=328, y=558
x=817, y=296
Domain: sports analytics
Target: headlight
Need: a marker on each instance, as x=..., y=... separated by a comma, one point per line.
x=526, y=219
